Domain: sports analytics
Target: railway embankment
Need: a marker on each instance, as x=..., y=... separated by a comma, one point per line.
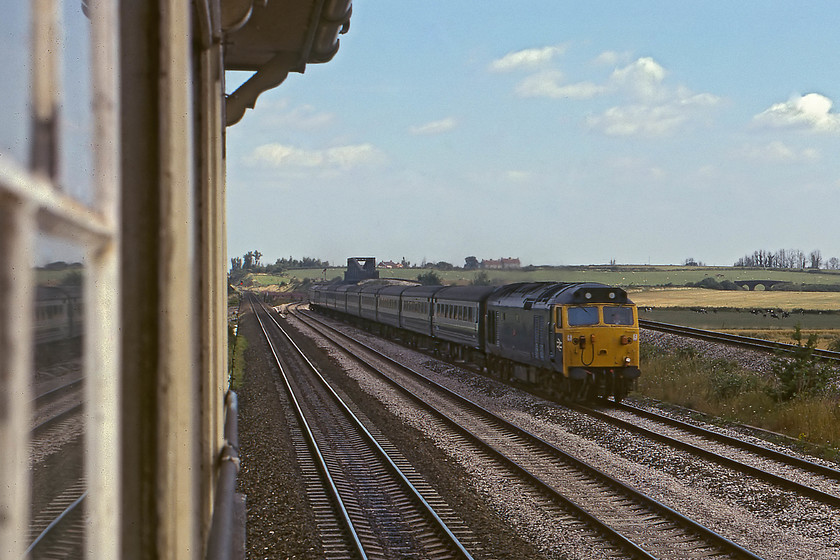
x=796, y=396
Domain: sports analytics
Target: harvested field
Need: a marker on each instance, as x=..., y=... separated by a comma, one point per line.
x=739, y=299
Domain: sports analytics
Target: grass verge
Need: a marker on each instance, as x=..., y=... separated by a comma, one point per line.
x=237, y=344
x=723, y=389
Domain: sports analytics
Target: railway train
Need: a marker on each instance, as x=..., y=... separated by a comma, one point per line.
x=576, y=340
x=58, y=314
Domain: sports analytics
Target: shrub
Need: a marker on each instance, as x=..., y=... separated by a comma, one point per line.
x=710, y=283
x=481, y=279
x=727, y=381
x=800, y=373
x=430, y=278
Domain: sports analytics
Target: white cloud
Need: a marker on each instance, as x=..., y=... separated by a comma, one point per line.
x=643, y=77
x=516, y=176
x=280, y=155
x=659, y=109
x=809, y=112
x=609, y=58
x=775, y=152
x=647, y=105
x=527, y=58
x=548, y=84
x=280, y=114
x=434, y=127
x=638, y=120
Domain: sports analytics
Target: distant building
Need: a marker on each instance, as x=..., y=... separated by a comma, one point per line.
x=501, y=264
x=361, y=268
x=389, y=264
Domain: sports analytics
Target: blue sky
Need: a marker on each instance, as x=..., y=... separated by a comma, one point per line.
x=556, y=132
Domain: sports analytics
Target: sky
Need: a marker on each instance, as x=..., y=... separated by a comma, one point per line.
x=556, y=132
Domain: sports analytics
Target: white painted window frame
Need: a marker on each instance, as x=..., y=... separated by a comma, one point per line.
x=32, y=204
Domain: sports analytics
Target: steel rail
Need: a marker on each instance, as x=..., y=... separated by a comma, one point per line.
x=761, y=474
x=735, y=340
x=441, y=525
x=57, y=392
x=316, y=450
x=69, y=510
x=41, y=427
x=682, y=520
x=756, y=448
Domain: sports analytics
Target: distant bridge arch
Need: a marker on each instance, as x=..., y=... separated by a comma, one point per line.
x=751, y=284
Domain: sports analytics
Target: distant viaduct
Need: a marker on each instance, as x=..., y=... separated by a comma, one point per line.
x=751, y=284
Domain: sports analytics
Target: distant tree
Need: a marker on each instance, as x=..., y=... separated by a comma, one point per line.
x=248, y=260
x=72, y=278
x=781, y=259
x=471, y=263
x=481, y=279
x=690, y=262
x=833, y=263
x=816, y=259
x=443, y=265
x=306, y=262
x=429, y=278
x=235, y=264
x=798, y=259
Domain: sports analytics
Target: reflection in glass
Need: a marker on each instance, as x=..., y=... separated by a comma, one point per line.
x=57, y=428
x=14, y=59
x=76, y=133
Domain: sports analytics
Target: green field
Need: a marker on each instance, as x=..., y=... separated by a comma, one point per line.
x=659, y=291
x=626, y=276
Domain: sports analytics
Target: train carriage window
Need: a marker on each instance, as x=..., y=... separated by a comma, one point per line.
x=582, y=316
x=618, y=315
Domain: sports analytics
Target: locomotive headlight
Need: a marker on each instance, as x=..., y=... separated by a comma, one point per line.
x=612, y=295
x=588, y=295
x=627, y=361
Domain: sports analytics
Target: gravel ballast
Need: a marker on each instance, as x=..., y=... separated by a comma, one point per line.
x=766, y=520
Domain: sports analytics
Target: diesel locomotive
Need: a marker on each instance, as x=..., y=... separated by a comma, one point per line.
x=578, y=341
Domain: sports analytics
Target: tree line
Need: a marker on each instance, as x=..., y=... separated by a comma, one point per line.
x=788, y=259
x=250, y=262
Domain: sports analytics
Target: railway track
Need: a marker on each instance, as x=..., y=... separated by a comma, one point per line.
x=58, y=530
x=369, y=504
x=55, y=405
x=575, y=494
x=58, y=488
x=805, y=478
x=735, y=340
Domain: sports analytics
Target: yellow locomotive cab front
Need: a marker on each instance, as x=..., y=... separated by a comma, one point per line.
x=600, y=346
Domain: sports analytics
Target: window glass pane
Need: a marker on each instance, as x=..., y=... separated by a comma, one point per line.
x=14, y=87
x=76, y=113
x=614, y=315
x=57, y=430
x=583, y=316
